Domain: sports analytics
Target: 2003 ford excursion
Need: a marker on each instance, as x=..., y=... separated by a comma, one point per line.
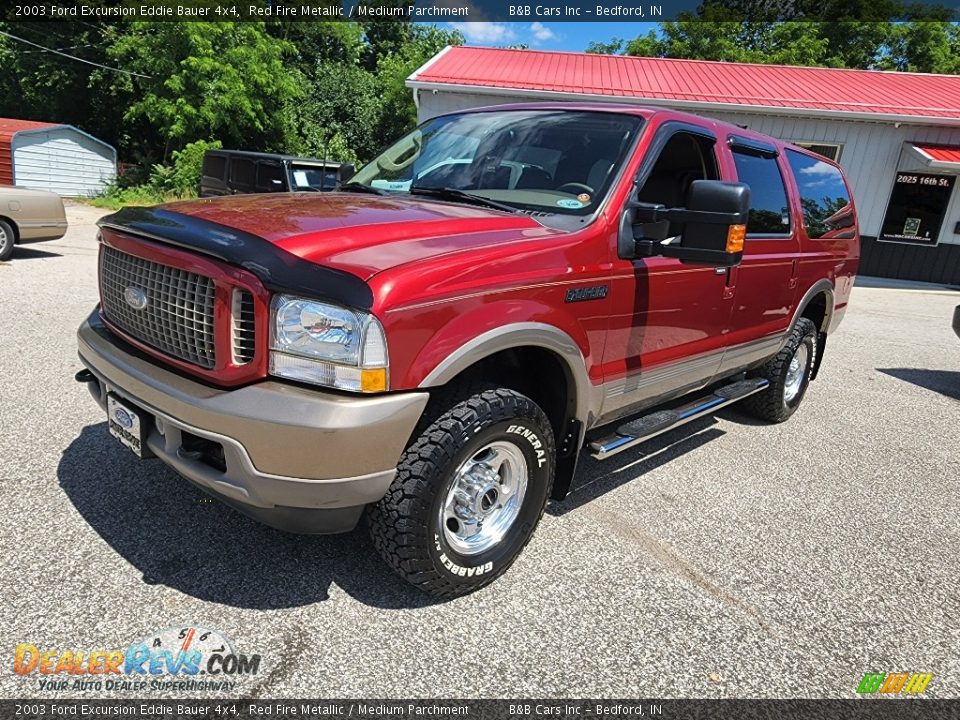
x=437, y=343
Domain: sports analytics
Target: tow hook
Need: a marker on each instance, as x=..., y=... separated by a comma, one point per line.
x=85, y=376
x=93, y=385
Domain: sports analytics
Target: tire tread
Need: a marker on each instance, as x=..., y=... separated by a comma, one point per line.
x=768, y=405
x=397, y=536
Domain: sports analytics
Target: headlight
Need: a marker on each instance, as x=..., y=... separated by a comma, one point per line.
x=323, y=344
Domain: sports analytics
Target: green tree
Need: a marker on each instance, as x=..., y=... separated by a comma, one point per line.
x=321, y=42
x=386, y=37
x=649, y=45
x=398, y=111
x=42, y=85
x=207, y=80
x=926, y=46
x=614, y=47
x=779, y=43
x=830, y=33
x=338, y=114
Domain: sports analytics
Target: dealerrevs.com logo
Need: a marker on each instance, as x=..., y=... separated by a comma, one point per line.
x=184, y=658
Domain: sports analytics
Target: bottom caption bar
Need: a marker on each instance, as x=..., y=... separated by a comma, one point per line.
x=484, y=709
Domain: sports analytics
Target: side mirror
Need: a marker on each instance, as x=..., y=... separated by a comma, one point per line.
x=345, y=172
x=712, y=226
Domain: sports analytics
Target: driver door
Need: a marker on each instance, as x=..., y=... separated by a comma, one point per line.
x=668, y=328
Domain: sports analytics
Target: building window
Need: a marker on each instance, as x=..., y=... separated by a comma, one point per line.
x=769, y=209
x=828, y=150
x=917, y=206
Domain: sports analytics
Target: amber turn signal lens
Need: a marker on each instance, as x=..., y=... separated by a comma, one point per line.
x=373, y=380
x=735, y=236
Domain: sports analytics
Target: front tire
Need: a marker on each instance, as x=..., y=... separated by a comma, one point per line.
x=6, y=240
x=469, y=492
x=789, y=374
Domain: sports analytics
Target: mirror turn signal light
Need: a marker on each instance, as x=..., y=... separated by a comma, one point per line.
x=735, y=238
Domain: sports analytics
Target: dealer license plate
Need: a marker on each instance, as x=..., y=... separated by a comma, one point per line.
x=126, y=424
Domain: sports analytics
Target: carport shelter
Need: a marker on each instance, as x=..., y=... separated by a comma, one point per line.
x=59, y=158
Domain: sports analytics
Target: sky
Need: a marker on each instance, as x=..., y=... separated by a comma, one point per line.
x=573, y=36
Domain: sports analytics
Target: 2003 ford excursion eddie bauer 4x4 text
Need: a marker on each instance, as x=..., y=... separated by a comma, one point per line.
x=437, y=342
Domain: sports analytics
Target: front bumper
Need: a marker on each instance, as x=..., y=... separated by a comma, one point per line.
x=298, y=459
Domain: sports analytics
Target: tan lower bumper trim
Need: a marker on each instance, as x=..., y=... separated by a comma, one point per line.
x=282, y=444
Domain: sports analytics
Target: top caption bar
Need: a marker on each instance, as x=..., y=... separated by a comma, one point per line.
x=419, y=11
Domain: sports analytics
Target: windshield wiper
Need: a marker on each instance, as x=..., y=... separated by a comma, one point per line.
x=360, y=187
x=461, y=196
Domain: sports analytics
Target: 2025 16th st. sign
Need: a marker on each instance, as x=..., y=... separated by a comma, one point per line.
x=917, y=207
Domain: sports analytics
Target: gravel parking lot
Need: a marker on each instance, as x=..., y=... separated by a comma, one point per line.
x=729, y=559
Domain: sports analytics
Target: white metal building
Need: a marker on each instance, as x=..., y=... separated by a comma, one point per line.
x=58, y=158
x=897, y=135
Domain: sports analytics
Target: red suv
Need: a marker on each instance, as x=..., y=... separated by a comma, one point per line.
x=438, y=342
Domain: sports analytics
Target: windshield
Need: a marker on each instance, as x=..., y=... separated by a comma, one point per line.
x=551, y=161
x=312, y=177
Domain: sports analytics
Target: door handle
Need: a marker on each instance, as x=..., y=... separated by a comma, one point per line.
x=731, y=281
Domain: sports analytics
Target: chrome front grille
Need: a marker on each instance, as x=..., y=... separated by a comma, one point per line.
x=164, y=307
x=244, y=327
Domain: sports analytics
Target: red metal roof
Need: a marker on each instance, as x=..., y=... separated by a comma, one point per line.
x=689, y=83
x=8, y=128
x=940, y=153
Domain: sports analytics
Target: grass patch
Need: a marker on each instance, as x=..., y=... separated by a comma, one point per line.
x=139, y=195
x=165, y=183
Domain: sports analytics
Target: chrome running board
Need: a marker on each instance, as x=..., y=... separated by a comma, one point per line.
x=649, y=426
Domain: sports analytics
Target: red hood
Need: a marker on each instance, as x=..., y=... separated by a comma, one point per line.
x=363, y=234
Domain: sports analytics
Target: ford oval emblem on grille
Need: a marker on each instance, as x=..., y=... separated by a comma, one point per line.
x=135, y=297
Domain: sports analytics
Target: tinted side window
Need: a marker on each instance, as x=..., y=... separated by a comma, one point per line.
x=822, y=192
x=215, y=166
x=242, y=172
x=769, y=209
x=269, y=177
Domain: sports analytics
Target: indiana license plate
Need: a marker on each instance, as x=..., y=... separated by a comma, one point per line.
x=126, y=424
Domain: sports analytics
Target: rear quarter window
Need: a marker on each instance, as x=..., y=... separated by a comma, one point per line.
x=215, y=166
x=242, y=172
x=823, y=193
x=269, y=177
x=769, y=208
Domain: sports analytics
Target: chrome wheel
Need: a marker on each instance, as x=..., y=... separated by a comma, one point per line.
x=795, y=373
x=485, y=498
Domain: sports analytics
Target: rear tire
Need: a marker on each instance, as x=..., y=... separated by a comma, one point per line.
x=6, y=240
x=468, y=495
x=789, y=374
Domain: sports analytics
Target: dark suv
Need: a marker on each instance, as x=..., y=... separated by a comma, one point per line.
x=234, y=172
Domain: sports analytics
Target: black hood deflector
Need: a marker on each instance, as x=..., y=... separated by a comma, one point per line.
x=277, y=269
